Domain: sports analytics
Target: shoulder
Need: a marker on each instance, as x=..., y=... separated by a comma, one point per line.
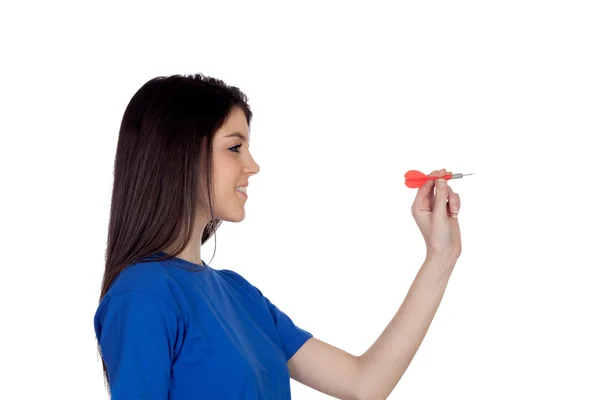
x=151, y=277
x=238, y=280
x=150, y=280
x=143, y=307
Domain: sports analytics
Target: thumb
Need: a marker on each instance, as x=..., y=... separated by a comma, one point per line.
x=441, y=198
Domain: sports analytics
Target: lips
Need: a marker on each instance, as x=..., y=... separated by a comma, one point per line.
x=241, y=189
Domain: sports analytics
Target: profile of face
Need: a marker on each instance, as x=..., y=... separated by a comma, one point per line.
x=233, y=165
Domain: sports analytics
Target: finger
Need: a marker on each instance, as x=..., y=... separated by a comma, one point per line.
x=453, y=203
x=426, y=190
x=439, y=173
x=440, y=208
x=423, y=198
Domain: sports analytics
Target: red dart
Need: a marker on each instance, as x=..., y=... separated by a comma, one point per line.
x=416, y=179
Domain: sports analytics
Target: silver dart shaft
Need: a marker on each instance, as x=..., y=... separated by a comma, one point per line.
x=458, y=176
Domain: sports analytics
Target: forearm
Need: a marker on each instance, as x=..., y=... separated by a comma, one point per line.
x=384, y=363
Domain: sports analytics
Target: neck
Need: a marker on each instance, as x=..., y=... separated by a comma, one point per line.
x=191, y=252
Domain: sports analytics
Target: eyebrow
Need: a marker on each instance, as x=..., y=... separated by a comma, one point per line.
x=238, y=135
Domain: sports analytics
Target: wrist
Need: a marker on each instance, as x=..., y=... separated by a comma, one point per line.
x=449, y=257
x=442, y=263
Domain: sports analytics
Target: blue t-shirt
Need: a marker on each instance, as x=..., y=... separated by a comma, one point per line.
x=176, y=330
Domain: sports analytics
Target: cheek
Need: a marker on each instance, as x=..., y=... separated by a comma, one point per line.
x=226, y=174
x=224, y=184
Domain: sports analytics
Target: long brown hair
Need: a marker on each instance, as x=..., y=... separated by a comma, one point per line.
x=163, y=158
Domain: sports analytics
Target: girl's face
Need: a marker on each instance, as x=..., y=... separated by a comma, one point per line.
x=232, y=166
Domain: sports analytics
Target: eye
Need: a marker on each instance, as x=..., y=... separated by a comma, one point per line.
x=235, y=148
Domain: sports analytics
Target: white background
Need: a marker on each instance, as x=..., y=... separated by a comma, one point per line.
x=346, y=97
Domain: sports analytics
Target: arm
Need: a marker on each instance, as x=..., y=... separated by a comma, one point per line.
x=327, y=369
x=137, y=334
x=375, y=373
x=384, y=363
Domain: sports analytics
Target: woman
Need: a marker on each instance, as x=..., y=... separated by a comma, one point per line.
x=170, y=326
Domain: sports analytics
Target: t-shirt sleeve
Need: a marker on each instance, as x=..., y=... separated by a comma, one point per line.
x=292, y=336
x=138, y=335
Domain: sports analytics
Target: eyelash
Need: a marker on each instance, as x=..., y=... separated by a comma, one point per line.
x=235, y=147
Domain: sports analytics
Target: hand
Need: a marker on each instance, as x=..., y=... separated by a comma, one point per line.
x=436, y=216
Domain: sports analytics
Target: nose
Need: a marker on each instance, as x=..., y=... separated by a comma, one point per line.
x=254, y=168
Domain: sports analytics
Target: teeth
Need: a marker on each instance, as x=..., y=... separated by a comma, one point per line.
x=241, y=189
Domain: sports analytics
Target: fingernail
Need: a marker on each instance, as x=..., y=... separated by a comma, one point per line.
x=454, y=212
x=441, y=182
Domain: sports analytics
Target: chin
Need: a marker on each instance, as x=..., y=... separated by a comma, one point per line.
x=237, y=217
x=231, y=211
